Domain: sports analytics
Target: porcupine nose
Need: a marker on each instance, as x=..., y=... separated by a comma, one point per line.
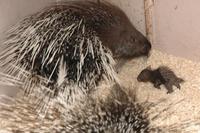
x=146, y=48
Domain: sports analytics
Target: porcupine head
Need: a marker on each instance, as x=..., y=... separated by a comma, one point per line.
x=124, y=40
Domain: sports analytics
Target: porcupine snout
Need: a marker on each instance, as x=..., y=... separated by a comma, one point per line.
x=146, y=48
x=132, y=44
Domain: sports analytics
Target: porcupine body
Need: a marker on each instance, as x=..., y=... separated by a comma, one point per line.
x=117, y=113
x=65, y=50
x=68, y=48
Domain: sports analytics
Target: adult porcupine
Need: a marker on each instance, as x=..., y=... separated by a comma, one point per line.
x=68, y=46
x=117, y=113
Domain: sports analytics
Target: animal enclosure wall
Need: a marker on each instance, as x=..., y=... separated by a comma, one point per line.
x=13, y=11
x=176, y=26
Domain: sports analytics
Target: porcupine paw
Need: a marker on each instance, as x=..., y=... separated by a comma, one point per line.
x=177, y=85
x=157, y=86
x=169, y=90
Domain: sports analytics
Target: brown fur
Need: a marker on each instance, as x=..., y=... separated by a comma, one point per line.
x=162, y=75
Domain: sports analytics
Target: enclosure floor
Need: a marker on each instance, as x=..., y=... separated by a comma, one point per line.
x=184, y=104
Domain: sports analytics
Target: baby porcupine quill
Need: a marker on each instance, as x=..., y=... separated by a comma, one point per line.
x=68, y=48
x=162, y=75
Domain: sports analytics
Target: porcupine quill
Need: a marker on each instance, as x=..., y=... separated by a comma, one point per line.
x=68, y=48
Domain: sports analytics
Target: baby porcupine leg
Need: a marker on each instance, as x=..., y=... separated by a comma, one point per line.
x=169, y=87
x=177, y=83
x=157, y=84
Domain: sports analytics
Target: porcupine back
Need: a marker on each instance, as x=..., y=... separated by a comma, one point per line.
x=68, y=48
x=56, y=48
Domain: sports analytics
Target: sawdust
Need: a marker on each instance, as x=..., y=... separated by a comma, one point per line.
x=184, y=103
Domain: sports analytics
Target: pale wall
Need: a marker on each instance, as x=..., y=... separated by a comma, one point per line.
x=11, y=11
x=177, y=27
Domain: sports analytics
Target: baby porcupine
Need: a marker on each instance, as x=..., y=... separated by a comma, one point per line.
x=161, y=75
x=68, y=48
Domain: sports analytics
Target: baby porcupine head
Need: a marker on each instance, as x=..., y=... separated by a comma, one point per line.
x=145, y=75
